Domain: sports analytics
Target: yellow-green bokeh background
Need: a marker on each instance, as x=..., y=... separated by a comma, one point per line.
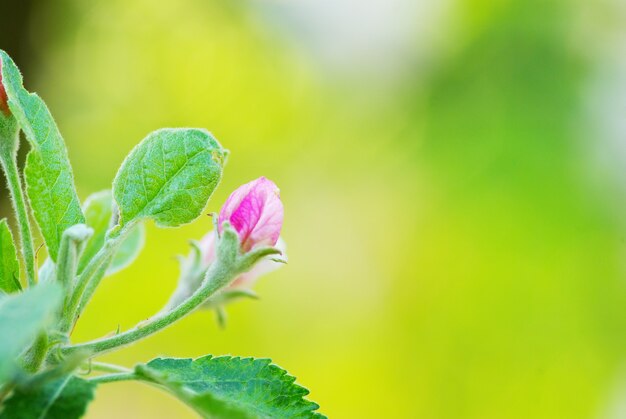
x=453, y=177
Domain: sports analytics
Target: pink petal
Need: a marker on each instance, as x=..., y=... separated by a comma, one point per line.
x=207, y=247
x=255, y=212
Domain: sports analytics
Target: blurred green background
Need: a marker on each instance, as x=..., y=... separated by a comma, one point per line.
x=453, y=174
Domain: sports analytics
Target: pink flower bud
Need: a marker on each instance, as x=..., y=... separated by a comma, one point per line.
x=4, y=106
x=255, y=212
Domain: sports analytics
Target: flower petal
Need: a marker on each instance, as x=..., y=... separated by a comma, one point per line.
x=256, y=212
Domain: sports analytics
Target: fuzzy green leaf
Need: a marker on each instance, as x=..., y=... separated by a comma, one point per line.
x=169, y=177
x=48, y=174
x=128, y=250
x=22, y=316
x=98, y=209
x=9, y=130
x=66, y=398
x=9, y=266
x=231, y=387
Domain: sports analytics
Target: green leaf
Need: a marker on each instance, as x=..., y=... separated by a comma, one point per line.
x=98, y=209
x=66, y=398
x=231, y=387
x=128, y=250
x=169, y=177
x=9, y=266
x=9, y=130
x=48, y=174
x=22, y=316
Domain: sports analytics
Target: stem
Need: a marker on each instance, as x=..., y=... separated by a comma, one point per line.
x=111, y=378
x=105, y=367
x=182, y=394
x=118, y=374
x=217, y=276
x=34, y=356
x=19, y=205
x=66, y=268
x=67, y=261
x=129, y=375
x=5, y=390
x=90, y=290
x=90, y=278
x=184, y=289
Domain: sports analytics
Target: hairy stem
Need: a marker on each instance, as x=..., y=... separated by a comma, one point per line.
x=5, y=390
x=90, y=290
x=67, y=263
x=217, y=276
x=111, y=378
x=89, y=279
x=14, y=184
x=34, y=356
x=105, y=367
x=128, y=375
